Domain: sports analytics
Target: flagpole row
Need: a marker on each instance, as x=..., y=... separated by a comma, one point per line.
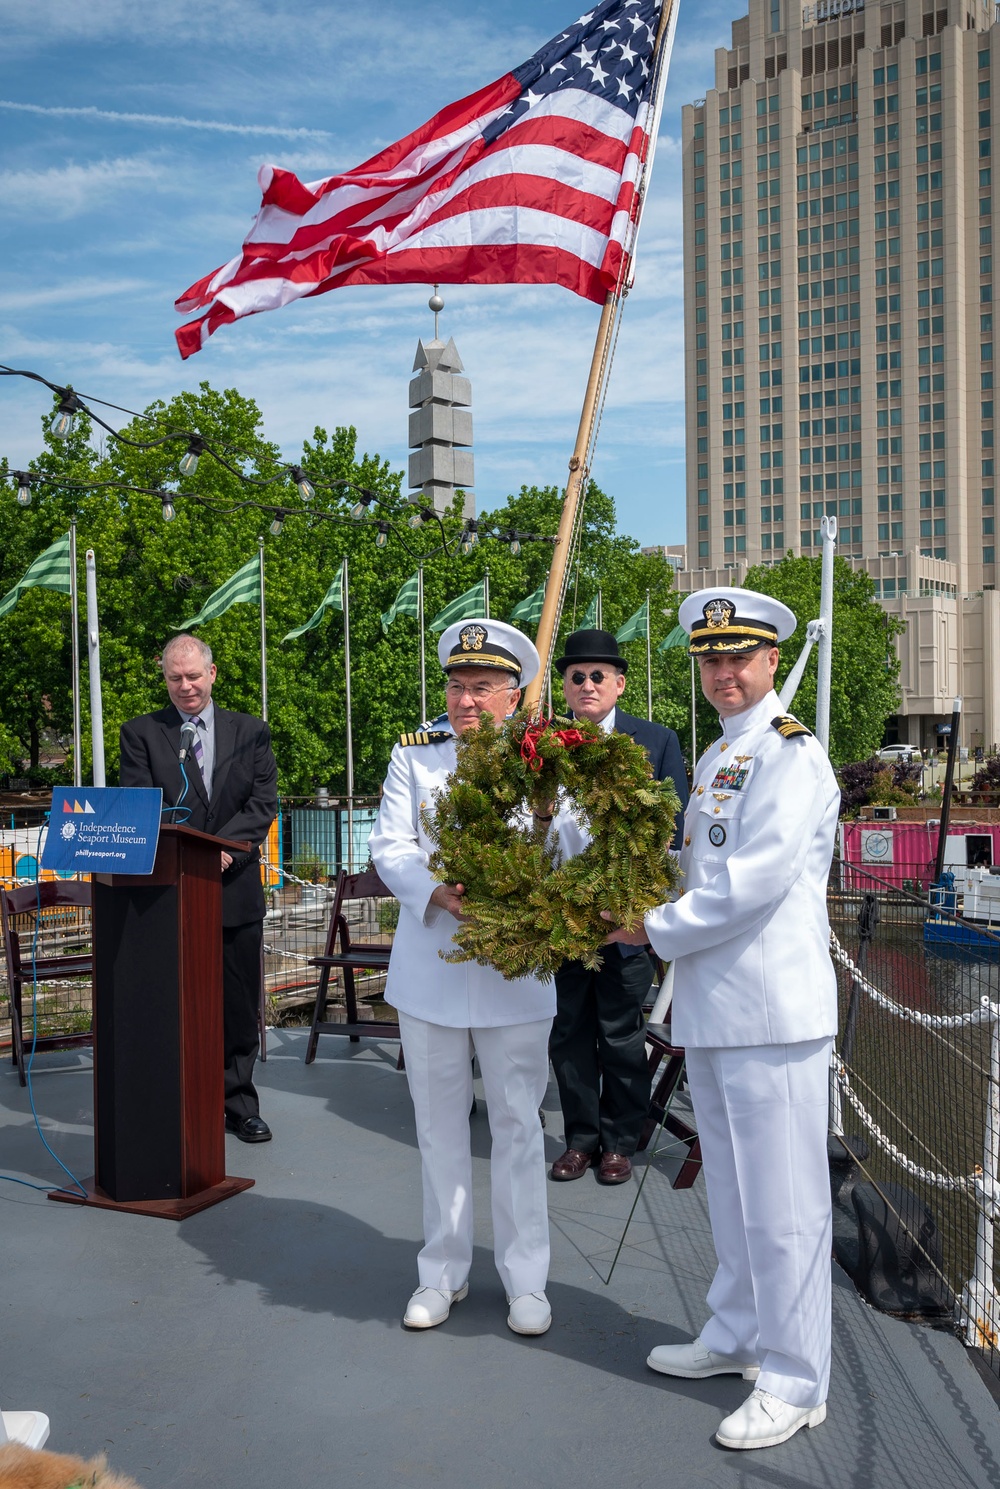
x=74, y=608
x=649, y=667
x=423, y=657
x=263, y=634
x=348, y=721
x=94, y=660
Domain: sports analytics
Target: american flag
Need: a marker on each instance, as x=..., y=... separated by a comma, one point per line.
x=535, y=179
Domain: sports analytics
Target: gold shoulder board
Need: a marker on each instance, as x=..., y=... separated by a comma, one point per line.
x=425, y=737
x=788, y=727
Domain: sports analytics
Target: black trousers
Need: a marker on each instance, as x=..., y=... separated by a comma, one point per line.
x=598, y=1052
x=240, y=1001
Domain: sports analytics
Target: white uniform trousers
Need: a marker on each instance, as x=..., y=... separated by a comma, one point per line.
x=514, y=1062
x=762, y=1118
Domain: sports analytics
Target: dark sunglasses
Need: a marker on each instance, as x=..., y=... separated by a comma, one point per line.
x=579, y=678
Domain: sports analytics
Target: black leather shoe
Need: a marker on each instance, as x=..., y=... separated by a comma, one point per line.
x=249, y=1129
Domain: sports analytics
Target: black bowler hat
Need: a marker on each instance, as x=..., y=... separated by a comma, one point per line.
x=591, y=646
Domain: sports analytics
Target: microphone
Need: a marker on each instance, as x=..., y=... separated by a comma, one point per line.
x=188, y=736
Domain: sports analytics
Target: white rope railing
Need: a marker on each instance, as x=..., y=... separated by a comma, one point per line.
x=970, y=1184
x=985, y=1014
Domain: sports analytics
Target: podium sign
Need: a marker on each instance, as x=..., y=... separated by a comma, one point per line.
x=103, y=829
x=159, y=1141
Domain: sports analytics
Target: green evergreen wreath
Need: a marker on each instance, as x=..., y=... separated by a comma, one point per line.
x=525, y=910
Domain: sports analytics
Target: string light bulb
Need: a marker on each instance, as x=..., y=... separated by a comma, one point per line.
x=417, y=520
x=23, y=488
x=167, y=510
x=470, y=535
x=382, y=536
x=64, y=420
x=515, y=546
x=305, y=487
x=188, y=463
x=278, y=524
x=360, y=508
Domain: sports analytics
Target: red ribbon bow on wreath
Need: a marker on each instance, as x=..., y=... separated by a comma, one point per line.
x=533, y=735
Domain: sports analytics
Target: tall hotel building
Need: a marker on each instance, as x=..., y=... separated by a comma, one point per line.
x=840, y=230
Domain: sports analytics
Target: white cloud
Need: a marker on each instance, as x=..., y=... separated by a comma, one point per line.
x=71, y=292
x=65, y=191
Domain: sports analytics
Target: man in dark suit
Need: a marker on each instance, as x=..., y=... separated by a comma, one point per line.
x=598, y=1040
x=233, y=793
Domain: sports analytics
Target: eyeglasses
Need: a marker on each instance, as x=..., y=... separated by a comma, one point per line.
x=480, y=692
x=579, y=678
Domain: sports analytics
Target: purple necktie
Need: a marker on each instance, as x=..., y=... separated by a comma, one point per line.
x=198, y=748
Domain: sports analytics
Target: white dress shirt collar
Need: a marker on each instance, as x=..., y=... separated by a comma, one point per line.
x=767, y=709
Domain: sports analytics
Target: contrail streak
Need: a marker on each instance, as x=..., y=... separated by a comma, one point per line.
x=171, y=120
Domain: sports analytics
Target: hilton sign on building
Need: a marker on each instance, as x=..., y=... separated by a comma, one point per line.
x=840, y=220
x=830, y=10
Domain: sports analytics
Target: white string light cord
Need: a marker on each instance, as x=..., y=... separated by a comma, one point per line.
x=971, y=1184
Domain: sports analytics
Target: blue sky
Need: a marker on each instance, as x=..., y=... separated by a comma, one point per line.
x=132, y=137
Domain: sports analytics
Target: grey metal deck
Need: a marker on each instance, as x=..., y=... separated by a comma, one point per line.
x=259, y=1343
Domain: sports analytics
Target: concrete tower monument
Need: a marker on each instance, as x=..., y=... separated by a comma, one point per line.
x=441, y=460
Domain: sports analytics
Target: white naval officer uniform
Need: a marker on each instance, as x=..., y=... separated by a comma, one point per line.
x=755, y=1006
x=447, y=1009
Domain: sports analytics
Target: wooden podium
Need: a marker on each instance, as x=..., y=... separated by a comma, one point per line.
x=159, y=1137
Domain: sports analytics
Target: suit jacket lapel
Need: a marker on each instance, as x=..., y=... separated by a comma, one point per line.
x=172, y=735
x=624, y=723
x=225, y=744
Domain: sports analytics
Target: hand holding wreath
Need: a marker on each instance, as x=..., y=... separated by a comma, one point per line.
x=525, y=909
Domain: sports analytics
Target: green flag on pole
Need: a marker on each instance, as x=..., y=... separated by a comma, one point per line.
x=678, y=637
x=589, y=622
x=405, y=603
x=243, y=587
x=332, y=600
x=50, y=570
x=530, y=609
x=466, y=607
x=635, y=627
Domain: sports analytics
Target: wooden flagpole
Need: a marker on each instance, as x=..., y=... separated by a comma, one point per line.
x=548, y=626
x=549, y=623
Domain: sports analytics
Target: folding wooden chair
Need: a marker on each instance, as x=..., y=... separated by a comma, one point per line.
x=20, y=903
x=350, y=956
x=664, y=1052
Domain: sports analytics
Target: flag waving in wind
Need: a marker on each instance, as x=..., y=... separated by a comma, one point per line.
x=535, y=179
x=405, y=603
x=241, y=587
x=636, y=628
x=464, y=607
x=530, y=610
x=50, y=570
x=332, y=600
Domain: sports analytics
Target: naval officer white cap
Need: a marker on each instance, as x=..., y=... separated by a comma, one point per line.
x=734, y=620
x=489, y=643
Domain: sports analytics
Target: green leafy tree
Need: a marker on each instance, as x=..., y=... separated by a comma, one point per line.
x=36, y=635
x=154, y=574
x=864, y=687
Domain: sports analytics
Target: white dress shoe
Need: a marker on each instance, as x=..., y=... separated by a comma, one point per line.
x=763, y=1421
x=694, y=1362
x=529, y=1314
x=430, y=1306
